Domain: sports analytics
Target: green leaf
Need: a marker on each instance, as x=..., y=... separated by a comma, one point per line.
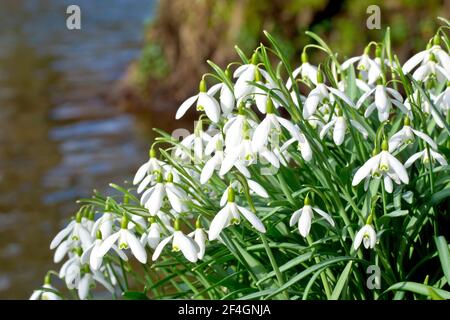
x=418, y=288
x=440, y=195
x=444, y=256
x=134, y=295
x=341, y=281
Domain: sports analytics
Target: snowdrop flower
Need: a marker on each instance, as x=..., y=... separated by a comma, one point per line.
x=152, y=199
x=104, y=224
x=302, y=146
x=305, y=215
x=199, y=235
x=369, y=69
x=255, y=188
x=180, y=242
x=425, y=106
x=226, y=96
x=88, y=280
x=205, y=102
x=125, y=239
x=144, y=174
x=91, y=257
x=339, y=124
x=384, y=98
x=153, y=236
x=41, y=294
x=195, y=141
x=74, y=233
x=406, y=136
x=245, y=75
x=230, y=214
x=383, y=165
x=442, y=101
x=306, y=71
x=244, y=155
x=271, y=124
x=432, y=156
x=71, y=270
x=367, y=236
x=214, y=162
x=236, y=127
x=322, y=94
x=432, y=60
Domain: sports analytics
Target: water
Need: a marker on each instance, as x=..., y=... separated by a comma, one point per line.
x=60, y=134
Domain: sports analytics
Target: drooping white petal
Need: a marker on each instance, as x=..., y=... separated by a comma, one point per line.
x=253, y=219
x=106, y=245
x=160, y=247
x=186, y=245
x=325, y=215
x=339, y=131
x=413, y=158
x=135, y=245
x=61, y=235
x=257, y=188
x=210, y=105
x=365, y=170
x=185, y=106
x=218, y=223
x=398, y=167
x=414, y=61
x=425, y=138
x=295, y=217
x=304, y=223
x=140, y=174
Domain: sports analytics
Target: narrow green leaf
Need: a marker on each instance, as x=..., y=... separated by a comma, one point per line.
x=444, y=256
x=341, y=281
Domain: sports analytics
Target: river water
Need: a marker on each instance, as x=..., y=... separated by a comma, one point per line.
x=60, y=134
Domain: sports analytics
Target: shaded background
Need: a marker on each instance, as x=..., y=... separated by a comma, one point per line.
x=77, y=107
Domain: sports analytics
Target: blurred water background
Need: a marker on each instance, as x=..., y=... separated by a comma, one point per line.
x=60, y=133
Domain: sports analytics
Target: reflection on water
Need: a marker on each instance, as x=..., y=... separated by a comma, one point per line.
x=59, y=136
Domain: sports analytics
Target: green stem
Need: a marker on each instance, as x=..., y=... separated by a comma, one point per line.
x=274, y=265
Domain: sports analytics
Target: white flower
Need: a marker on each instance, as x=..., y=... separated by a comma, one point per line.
x=369, y=69
x=432, y=60
x=147, y=169
x=42, y=294
x=226, y=97
x=246, y=74
x=367, y=235
x=406, y=136
x=153, y=236
x=340, y=126
x=322, y=94
x=204, y=102
x=306, y=71
x=443, y=100
x=302, y=146
x=433, y=156
x=255, y=188
x=382, y=165
x=244, y=155
x=230, y=214
x=200, y=237
x=271, y=124
x=384, y=98
x=152, y=199
x=104, y=224
x=425, y=106
x=214, y=162
x=125, y=239
x=179, y=242
x=88, y=280
x=73, y=235
x=305, y=215
x=236, y=128
x=195, y=141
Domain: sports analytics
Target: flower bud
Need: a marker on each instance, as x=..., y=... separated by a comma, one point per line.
x=202, y=86
x=230, y=195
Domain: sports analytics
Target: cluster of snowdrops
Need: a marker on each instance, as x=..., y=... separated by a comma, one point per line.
x=282, y=163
